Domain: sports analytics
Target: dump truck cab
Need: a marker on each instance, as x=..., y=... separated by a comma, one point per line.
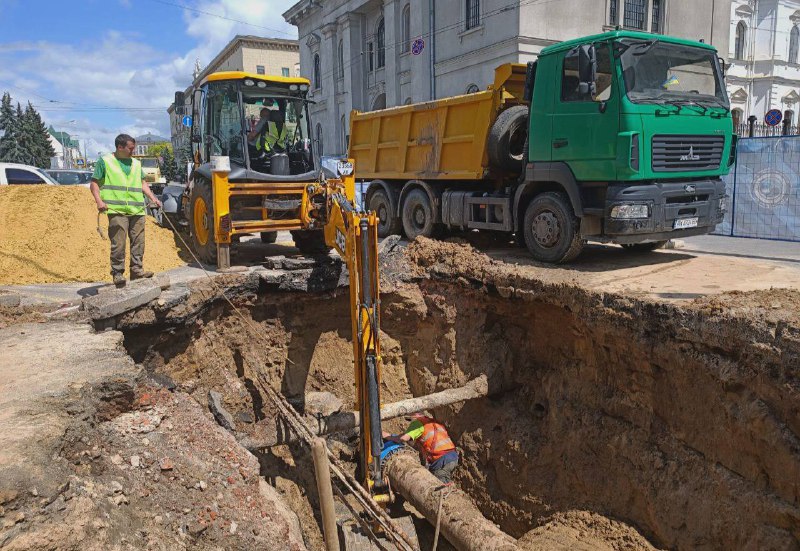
x=254, y=163
x=636, y=129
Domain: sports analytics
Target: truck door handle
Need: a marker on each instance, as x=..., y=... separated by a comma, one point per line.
x=558, y=144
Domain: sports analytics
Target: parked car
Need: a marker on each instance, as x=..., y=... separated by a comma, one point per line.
x=17, y=174
x=67, y=177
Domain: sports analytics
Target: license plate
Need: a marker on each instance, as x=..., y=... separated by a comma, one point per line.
x=682, y=223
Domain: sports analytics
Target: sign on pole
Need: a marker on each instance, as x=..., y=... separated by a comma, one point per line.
x=417, y=46
x=79, y=162
x=186, y=121
x=773, y=117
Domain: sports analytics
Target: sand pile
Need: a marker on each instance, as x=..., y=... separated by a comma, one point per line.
x=48, y=235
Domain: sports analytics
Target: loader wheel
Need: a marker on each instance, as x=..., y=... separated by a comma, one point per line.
x=269, y=236
x=388, y=223
x=418, y=215
x=643, y=247
x=201, y=221
x=310, y=241
x=552, y=231
x=507, y=138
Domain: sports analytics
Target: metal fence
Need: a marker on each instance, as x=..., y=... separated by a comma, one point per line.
x=761, y=130
x=764, y=190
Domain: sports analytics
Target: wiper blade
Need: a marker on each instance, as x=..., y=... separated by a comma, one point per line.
x=644, y=46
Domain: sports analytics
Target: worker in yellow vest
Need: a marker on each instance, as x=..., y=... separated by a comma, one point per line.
x=269, y=131
x=430, y=438
x=119, y=190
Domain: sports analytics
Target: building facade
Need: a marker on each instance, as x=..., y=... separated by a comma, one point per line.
x=68, y=150
x=371, y=54
x=764, y=71
x=252, y=54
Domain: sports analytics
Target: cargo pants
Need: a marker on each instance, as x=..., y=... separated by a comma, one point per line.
x=120, y=228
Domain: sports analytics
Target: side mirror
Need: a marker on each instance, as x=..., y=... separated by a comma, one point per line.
x=530, y=77
x=723, y=66
x=587, y=70
x=180, y=103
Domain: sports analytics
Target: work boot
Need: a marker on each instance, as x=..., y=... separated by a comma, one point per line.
x=119, y=280
x=140, y=274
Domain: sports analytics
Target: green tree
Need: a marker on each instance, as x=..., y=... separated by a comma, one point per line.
x=157, y=150
x=37, y=137
x=168, y=164
x=13, y=144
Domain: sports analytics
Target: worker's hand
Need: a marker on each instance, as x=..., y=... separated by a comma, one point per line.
x=101, y=206
x=157, y=203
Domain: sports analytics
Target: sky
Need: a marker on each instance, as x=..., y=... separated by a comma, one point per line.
x=98, y=68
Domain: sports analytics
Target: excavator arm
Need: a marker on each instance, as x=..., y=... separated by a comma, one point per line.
x=354, y=235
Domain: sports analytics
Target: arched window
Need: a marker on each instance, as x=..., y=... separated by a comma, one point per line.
x=794, y=43
x=408, y=101
x=741, y=36
x=317, y=72
x=381, y=40
x=319, y=140
x=736, y=115
x=472, y=88
x=341, y=59
x=406, y=35
x=788, y=121
x=379, y=102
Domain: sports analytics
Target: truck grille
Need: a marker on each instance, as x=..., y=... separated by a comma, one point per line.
x=679, y=153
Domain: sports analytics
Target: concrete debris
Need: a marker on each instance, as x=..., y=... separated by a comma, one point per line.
x=322, y=403
x=113, y=303
x=223, y=417
x=136, y=462
x=166, y=464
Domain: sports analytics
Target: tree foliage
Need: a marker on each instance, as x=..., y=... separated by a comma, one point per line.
x=25, y=138
x=168, y=168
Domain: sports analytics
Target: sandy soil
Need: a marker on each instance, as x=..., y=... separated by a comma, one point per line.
x=49, y=235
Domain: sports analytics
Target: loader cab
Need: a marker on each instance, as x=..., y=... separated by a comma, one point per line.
x=260, y=122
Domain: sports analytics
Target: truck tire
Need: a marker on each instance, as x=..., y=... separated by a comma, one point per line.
x=418, y=215
x=380, y=204
x=506, y=143
x=269, y=236
x=552, y=231
x=201, y=222
x=310, y=241
x=643, y=247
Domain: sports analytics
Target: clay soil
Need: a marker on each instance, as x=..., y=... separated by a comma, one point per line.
x=49, y=236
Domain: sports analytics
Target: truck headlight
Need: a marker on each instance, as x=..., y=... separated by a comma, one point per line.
x=627, y=212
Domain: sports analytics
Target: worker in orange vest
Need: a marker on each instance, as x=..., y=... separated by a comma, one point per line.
x=434, y=444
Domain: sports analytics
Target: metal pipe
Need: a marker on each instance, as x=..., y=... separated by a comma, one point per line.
x=325, y=492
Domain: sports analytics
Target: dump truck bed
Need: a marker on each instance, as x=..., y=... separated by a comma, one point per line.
x=441, y=139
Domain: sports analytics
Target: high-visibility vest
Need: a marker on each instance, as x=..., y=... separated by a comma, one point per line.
x=267, y=139
x=434, y=442
x=122, y=192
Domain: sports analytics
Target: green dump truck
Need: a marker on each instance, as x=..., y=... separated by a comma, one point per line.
x=620, y=137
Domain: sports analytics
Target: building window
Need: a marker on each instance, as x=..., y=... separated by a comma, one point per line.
x=473, y=13
x=317, y=72
x=472, y=88
x=741, y=36
x=284, y=71
x=613, y=17
x=655, y=23
x=736, y=115
x=260, y=69
x=381, y=38
x=406, y=35
x=370, y=56
x=341, y=59
x=794, y=42
x=408, y=101
x=635, y=14
x=319, y=140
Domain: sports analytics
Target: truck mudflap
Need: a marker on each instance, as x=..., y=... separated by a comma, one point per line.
x=659, y=210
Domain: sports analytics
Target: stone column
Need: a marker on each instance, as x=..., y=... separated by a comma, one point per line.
x=420, y=64
x=351, y=31
x=392, y=36
x=328, y=53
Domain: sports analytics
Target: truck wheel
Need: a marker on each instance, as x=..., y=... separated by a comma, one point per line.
x=417, y=215
x=201, y=221
x=379, y=203
x=269, y=236
x=506, y=143
x=310, y=241
x=643, y=247
x=552, y=229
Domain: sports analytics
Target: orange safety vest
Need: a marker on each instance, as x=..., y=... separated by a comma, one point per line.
x=434, y=442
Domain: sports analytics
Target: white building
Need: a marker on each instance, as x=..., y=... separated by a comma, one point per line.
x=370, y=54
x=764, y=72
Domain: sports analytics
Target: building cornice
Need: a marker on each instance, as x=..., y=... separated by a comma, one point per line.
x=300, y=10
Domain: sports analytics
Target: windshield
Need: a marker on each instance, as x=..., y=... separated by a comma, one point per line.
x=656, y=71
x=282, y=111
x=150, y=163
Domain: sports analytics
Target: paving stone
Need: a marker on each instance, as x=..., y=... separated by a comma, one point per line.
x=9, y=300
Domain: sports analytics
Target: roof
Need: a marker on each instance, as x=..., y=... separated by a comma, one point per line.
x=613, y=35
x=63, y=138
x=235, y=75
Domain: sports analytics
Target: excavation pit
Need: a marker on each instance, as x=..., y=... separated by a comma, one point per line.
x=613, y=423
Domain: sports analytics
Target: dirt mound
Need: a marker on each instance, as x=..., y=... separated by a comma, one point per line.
x=49, y=236
x=583, y=531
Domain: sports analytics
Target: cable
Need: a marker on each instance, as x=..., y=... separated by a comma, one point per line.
x=218, y=16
